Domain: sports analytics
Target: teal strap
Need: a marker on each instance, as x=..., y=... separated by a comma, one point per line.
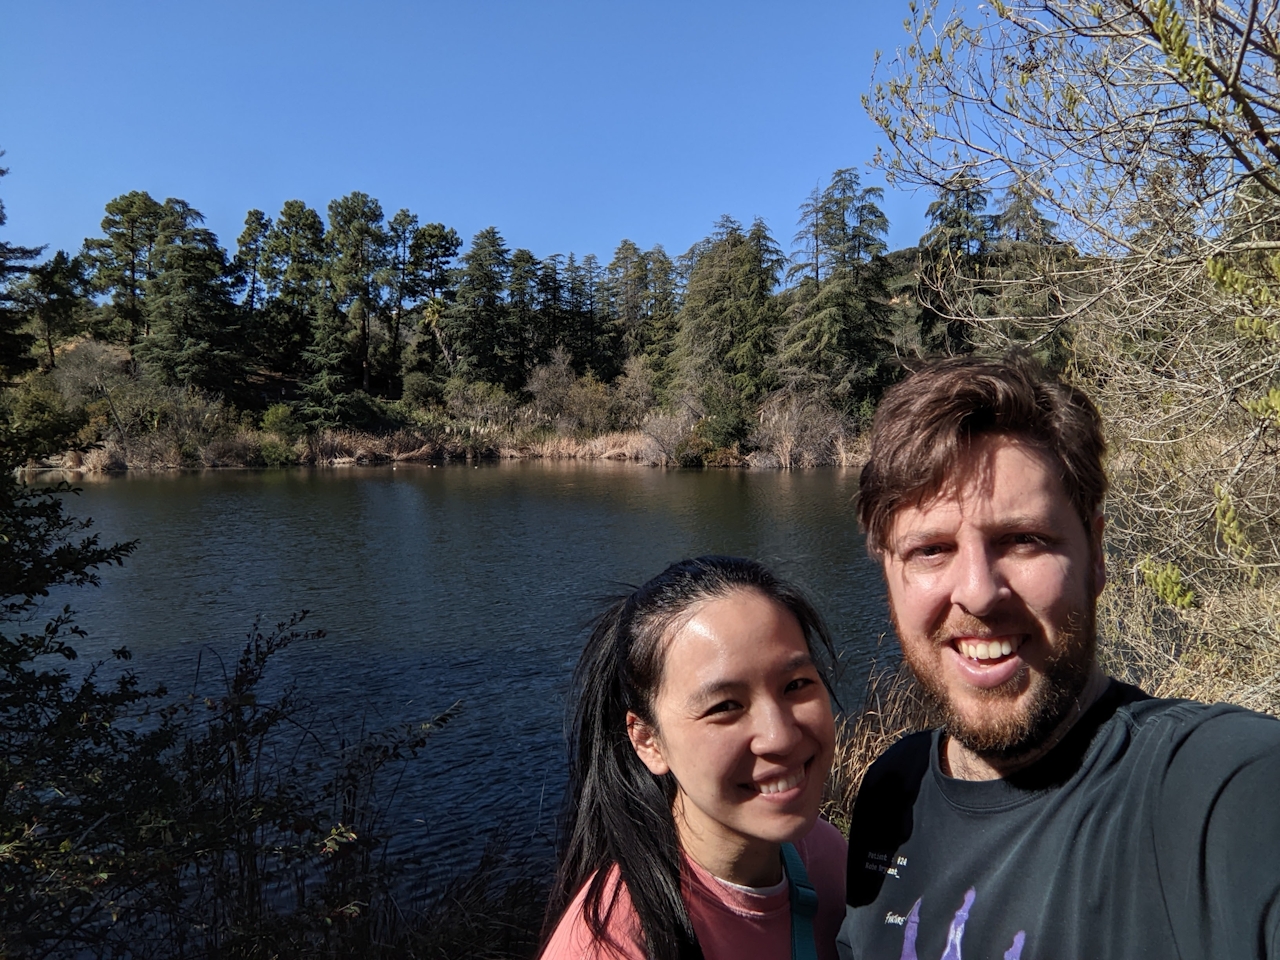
x=804, y=905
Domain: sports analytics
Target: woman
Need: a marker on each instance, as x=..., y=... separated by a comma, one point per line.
x=702, y=737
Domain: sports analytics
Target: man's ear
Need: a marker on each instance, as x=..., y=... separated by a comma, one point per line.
x=1099, y=558
x=644, y=740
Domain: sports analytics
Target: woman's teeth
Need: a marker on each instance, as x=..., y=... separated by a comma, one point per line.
x=782, y=783
x=988, y=649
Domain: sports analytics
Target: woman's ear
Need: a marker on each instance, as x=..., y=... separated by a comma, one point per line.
x=644, y=740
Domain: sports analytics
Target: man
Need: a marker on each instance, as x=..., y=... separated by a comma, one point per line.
x=1057, y=813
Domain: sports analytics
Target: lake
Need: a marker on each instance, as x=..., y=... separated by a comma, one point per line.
x=451, y=583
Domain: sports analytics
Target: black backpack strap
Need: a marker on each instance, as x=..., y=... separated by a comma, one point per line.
x=883, y=814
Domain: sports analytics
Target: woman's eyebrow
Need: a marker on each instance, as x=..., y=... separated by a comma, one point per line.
x=715, y=688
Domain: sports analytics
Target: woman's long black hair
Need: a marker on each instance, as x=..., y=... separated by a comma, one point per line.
x=616, y=811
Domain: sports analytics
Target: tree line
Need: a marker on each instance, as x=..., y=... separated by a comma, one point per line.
x=355, y=318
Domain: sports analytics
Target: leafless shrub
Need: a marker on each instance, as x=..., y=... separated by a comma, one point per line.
x=549, y=384
x=633, y=393
x=799, y=429
x=240, y=449
x=669, y=431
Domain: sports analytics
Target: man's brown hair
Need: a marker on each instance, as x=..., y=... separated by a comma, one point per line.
x=926, y=424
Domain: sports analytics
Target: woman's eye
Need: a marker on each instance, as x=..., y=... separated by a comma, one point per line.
x=724, y=706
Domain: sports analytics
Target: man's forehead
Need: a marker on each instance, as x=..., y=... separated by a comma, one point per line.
x=994, y=466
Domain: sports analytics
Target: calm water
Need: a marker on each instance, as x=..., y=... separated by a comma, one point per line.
x=444, y=584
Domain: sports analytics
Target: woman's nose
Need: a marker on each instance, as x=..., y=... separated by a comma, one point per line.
x=777, y=731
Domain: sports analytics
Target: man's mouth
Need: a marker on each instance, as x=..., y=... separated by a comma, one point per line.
x=987, y=650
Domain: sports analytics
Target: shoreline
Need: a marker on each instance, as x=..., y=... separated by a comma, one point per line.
x=252, y=450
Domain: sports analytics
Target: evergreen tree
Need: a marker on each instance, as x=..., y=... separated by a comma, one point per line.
x=951, y=254
x=522, y=302
x=476, y=326
x=956, y=221
x=433, y=250
x=550, y=292
x=52, y=296
x=248, y=262
x=730, y=318
x=835, y=340
x=1019, y=219
x=435, y=247
x=195, y=339
x=588, y=334
x=293, y=269
x=664, y=311
x=247, y=278
x=122, y=259
x=406, y=279
x=328, y=393
x=15, y=344
x=358, y=243
x=626, y=287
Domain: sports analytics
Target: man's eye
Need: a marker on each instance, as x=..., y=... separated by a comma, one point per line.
x=927, y=552
x=799, y=683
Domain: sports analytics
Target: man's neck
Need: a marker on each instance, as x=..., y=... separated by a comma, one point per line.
x=962, y=763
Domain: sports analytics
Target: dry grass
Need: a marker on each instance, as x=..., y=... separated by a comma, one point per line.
x=631, y=445
x=893, y=706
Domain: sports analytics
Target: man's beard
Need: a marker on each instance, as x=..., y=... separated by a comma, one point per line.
x=1005, y=736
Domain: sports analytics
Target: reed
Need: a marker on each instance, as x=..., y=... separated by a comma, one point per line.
x=893, y=706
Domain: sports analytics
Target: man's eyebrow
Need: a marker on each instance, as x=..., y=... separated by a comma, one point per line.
x=1022, y=521
x=715, y=688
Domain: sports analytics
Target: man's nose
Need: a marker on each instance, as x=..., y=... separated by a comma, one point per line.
x=978, y=584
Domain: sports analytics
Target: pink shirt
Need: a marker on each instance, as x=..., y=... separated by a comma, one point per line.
x=730, y=923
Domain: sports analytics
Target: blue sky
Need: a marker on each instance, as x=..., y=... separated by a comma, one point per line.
x=568, y=125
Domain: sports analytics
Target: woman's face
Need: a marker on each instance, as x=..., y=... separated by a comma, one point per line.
x=744, y=724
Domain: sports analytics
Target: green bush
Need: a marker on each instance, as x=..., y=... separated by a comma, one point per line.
x=420, y=390
x=278, y=453
x=279, y=419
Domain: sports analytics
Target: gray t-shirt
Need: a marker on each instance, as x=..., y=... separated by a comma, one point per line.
x=1152, y=830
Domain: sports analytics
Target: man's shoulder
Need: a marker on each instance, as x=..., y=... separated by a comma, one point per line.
x=1203, y=726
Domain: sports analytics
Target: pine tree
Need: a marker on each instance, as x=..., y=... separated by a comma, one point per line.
x=52, y=297
x=122, y=259
x=835, y=340
x=405, y=279
x=550, y=292
x=627, y=292
x=358, y=243
x=951, y=254
x=195, y=336
x=730, y=317
x=15, y=344
x=435, y=247
x=664, y=310
x=477, y=325
x=294, y=263
x=248, y=262
x=522, y=302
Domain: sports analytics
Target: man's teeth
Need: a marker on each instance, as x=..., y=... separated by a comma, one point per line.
x=782, y=783
x=988, y=649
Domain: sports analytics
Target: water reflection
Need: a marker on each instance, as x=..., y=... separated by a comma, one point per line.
x=450, y=583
